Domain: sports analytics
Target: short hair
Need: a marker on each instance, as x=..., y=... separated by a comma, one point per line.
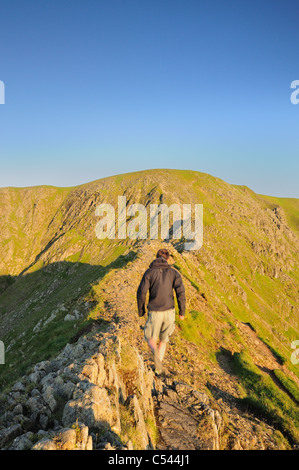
x=162, y=253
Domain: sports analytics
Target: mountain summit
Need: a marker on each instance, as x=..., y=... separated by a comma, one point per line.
x=77, y=372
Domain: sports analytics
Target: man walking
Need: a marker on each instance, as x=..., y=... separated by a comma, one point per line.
x=160, y=280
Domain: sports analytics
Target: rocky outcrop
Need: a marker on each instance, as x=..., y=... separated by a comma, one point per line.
x=81, y=400
x=75, y=438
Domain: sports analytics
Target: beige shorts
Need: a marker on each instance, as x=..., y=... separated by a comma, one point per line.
x=160, y=325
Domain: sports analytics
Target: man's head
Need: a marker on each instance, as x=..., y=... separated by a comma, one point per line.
x=162, y=253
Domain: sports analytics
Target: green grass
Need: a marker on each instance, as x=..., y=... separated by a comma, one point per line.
x=266, y=399
x=187, y=276
x=288, y=384
x=197, y=329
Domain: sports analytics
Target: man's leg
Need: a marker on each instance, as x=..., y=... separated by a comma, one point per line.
x=162, y=349
x=152, y=344
x=167, y=329
x=156, y=351
x=152, y=331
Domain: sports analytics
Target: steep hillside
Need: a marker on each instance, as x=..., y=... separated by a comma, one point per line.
x=60, y=285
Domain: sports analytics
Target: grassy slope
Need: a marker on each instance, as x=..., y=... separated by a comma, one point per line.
x=25, y=216
x=290, y=207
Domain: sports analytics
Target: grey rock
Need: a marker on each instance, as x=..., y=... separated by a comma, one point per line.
x=18, y=409
x=45, y=444
x=23, y=442
x=49, y=399
x=43, y=420
x=93, y=409
x=69, y=317
x=8, y=434
x=35, y=377
x=18, y=387
x=78, y=351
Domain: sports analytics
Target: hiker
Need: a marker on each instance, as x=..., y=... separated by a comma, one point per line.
x=160, y=279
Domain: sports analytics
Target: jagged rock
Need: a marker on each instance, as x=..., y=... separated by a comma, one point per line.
x=85, y=441
x=23, y=442
x=18, y=387
x=66, y=439
x=75, y=438
x=49, y=398
x=45, y=444
x=8, y=434
x=101, y=378
x=18, y=409
x=78, y=351
x=92, y=408
x=63, y=389
x=134, y=407
x=90, y=371
x=35, y=377
x=43, y=419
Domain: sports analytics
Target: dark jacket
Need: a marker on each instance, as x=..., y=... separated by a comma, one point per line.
x=160, y=279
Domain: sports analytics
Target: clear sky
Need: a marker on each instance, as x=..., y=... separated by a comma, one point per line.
x=95, y=88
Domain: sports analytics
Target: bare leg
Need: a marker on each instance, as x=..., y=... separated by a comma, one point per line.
x=152, y=344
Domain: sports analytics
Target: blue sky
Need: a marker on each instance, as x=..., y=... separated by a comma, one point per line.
x=95, y=88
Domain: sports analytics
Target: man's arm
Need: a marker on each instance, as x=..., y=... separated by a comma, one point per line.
x=141, y=294
x=180, y=294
